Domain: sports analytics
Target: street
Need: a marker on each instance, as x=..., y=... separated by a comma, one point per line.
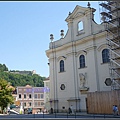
x=56, y=116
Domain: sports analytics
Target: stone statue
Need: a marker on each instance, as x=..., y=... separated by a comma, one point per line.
x=83, y=82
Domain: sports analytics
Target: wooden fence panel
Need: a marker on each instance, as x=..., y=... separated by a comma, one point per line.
x=102, y=102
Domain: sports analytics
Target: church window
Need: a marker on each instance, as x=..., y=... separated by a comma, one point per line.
x=82, y=61
x=61, y=66
x=80, y=26
x=105, y=56
x=62, y=87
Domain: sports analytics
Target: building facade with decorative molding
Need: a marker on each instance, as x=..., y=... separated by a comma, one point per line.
x=78, y=61
x=31, y=98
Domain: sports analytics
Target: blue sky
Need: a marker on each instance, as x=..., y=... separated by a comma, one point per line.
x=25, y=29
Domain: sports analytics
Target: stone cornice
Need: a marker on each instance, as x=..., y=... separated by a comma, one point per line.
x=91, y=48
x=76, y=42
x=71, y=53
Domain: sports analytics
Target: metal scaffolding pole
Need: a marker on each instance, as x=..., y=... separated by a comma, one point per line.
x=110, y=14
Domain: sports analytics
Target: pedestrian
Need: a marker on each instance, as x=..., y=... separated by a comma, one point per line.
x=51, y=110
x=69, y=110
x=115, y=110
x=8, y=110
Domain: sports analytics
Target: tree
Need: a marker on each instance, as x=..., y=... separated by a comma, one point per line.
x=5, y=94
x=3, y=67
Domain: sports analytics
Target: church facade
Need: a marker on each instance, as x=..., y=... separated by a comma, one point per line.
x=78, y=61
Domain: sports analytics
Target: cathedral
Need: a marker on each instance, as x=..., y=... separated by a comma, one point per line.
x=78, y=61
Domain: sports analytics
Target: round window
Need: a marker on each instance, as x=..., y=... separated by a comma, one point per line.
x=62, y=87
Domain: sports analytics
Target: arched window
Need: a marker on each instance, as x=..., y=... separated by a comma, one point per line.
x=61, y=66
x=105, y=56
x=82, y=61
x=80, y=26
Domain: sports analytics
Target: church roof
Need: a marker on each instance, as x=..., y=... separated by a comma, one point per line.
x=78, y=11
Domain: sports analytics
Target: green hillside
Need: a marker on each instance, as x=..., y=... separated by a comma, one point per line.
x=17, y=79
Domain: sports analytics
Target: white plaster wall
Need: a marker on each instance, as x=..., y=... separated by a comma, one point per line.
x=96, y=72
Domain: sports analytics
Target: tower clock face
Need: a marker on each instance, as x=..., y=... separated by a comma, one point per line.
x=62, y=87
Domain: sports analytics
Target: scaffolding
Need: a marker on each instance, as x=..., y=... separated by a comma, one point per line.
x=110, y=15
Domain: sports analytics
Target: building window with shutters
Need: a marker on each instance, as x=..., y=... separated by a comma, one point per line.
x=35, y=96
x=41, y=96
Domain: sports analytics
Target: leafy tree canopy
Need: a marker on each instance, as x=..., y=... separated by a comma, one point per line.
x=5, y=94
x=3, y=67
